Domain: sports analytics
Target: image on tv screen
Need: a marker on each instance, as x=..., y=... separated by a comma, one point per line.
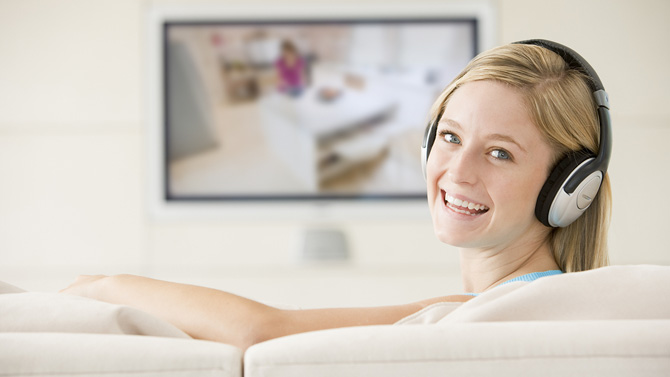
x=304, y=110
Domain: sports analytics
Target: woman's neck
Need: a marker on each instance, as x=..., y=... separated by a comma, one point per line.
x=485, y=268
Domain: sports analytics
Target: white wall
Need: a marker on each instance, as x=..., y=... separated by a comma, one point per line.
x=72, y=175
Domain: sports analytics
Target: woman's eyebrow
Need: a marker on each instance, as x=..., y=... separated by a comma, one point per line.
x=500, y=137
x=508, y=139
x=451, y=123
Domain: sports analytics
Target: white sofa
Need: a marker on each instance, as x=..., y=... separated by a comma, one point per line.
x=613, y=321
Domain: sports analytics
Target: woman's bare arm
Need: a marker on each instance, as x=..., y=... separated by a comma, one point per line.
x=210, y=314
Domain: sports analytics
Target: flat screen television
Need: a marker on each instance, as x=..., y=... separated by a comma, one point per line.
x=288, y=108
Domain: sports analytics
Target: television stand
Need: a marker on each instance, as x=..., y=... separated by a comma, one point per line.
x=324, y=245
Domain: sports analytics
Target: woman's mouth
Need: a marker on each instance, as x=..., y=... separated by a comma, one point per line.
x=464, y=207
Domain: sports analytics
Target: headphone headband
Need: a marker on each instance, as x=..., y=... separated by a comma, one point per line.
x=572, y=58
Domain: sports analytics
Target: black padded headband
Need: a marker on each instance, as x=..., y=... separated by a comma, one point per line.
x=572, y=58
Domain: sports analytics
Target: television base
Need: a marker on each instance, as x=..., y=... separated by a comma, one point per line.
x=324, y=245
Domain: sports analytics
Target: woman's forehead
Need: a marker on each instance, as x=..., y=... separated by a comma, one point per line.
x=497, y=107
x=493, y=110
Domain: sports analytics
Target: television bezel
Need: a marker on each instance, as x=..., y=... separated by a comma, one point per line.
x=309, y=209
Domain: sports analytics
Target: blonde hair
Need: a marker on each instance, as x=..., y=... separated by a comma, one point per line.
x=560, y=103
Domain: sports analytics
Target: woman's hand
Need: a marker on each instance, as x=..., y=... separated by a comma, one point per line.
x=86, y=286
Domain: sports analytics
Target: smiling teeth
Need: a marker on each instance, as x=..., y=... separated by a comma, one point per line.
x=465, y=206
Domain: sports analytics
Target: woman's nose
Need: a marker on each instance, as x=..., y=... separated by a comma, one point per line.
x=463, y=167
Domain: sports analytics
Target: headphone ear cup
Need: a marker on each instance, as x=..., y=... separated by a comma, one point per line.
x=555, y=182
x=427, y=145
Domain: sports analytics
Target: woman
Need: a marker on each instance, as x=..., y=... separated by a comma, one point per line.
x=290, y=68
x=501, y=126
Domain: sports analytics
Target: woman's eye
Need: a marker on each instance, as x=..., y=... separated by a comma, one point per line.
x=451, y=138
x=500, y=154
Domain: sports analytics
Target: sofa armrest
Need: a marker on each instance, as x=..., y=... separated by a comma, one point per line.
x=593, y=348
x=71, y=354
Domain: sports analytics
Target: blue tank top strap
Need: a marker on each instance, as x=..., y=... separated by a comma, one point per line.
x=533, y=276
x=527, y=277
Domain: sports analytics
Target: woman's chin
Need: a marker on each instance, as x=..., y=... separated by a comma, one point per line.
x=456, y=239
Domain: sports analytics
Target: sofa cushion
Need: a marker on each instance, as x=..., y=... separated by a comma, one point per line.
x=52, y=312
x=8, y=288
x=608, y=293
x=615, y=292
x=106, y=355
x=533, y=348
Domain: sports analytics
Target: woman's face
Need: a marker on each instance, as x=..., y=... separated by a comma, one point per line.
x=486, y=168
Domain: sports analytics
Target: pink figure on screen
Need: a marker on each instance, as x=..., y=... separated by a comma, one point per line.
x=290, y=70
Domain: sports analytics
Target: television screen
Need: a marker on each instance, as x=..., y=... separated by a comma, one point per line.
x=303, y=110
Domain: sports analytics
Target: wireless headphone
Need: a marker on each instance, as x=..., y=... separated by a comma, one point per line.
x=576, y=179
